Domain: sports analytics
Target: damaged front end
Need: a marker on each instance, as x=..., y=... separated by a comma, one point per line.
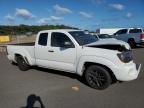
x=124, y=50
x=110, y=44
x=125, y=54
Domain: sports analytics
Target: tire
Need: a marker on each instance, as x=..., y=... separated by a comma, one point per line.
x=97, y=77
x=23, y=66
x=132, y=43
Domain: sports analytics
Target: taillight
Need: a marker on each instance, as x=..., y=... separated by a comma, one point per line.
x=142, y=36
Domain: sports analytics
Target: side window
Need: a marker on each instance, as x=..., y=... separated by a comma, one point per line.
x=43, y=37
x=118, y=32
x=58, y=39
x=123, y=31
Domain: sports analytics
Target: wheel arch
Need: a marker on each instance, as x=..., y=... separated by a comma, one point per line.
x=20, y=55
x=132, y=42
x=87, y=64
x=131, y=39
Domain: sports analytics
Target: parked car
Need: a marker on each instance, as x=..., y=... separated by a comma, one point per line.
x=134, y=36
x=100, y=62
x=103, y=36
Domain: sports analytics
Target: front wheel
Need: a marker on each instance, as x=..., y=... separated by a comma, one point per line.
x=22, y=64
x=97, y=77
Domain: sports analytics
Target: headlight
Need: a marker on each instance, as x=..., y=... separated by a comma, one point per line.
x=125, y=56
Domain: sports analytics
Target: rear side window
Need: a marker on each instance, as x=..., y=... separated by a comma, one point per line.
x=135, y=31
x=43, y=39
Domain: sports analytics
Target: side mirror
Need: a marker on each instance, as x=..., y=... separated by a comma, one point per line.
x=68, y=44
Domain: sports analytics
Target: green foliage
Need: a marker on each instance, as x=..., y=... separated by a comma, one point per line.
x=23, y=29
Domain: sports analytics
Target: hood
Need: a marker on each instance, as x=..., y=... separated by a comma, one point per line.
x=111, y=44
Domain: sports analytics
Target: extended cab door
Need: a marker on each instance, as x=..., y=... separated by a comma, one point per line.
x=41, y=49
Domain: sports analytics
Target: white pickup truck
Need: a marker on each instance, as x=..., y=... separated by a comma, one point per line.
x=99, y=61
x=133, y=36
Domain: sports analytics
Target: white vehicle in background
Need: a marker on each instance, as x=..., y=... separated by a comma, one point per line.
x=103, y=36
x=109, y=31
x=100, y=62
x=133, y=36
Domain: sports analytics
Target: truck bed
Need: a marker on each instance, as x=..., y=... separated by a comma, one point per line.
x=24, y=44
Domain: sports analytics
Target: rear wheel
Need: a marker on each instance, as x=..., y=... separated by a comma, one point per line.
x=97, y=77
x=22, y=64
x=132, y=43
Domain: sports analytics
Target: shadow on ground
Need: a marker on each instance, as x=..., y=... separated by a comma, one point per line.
x=32, y=99
x=62, y=73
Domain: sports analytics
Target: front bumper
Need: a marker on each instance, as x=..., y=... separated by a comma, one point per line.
x=128, y=72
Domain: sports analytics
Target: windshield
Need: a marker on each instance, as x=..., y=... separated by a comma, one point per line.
x=83, y=38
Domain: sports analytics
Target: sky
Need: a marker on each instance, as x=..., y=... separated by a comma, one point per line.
x=84, y=14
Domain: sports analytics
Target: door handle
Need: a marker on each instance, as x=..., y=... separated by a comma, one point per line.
x=50, y=50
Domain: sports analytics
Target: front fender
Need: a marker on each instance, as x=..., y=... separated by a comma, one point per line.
x=94, y=59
